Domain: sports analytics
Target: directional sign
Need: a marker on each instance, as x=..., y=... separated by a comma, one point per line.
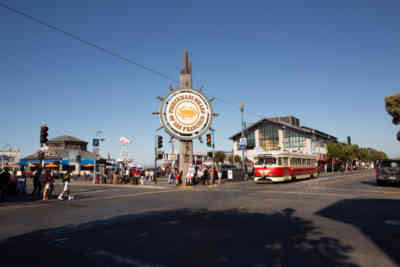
x=242, y=143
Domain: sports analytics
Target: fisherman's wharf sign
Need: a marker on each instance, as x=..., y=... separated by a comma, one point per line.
x=186, y=114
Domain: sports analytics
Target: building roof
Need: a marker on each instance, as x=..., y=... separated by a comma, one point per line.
x=59, y=154
x=66, y=138
x=282, y=123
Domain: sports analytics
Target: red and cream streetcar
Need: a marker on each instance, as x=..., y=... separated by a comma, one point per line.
x=283, y=166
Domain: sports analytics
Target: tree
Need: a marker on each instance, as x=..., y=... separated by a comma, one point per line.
x=392, y=104
x=219, y=156
x=237, y=159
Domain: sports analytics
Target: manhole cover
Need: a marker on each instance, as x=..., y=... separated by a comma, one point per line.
x=393, y=222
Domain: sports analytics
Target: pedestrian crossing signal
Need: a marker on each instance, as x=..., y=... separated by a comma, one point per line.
x=209, y=140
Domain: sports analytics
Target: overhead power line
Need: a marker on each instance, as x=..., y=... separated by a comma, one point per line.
x=77, y=38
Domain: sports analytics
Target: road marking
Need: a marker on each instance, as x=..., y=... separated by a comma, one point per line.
x=88, y=199
x=303, y=193
x=123, y=260
x=356, y=190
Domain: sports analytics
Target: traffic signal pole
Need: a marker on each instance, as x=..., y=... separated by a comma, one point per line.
x=155, y=152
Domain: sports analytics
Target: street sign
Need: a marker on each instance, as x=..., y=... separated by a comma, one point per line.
x=3, y=157
x=96, y=142
x=242, y=143
x=171, y=156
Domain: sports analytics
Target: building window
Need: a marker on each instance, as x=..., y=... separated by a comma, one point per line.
x=293, y=138
x=269, y=137
x=251, y=141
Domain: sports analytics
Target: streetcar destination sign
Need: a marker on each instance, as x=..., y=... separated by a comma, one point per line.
x=186, y=114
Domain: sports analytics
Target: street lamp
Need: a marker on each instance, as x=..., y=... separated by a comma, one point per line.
x=243, y=159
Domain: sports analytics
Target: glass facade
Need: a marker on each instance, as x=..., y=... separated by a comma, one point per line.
x=293, y=139
x=251, y=140
x=269, y=137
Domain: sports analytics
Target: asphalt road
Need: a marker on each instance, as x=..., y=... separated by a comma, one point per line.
x=344, y=220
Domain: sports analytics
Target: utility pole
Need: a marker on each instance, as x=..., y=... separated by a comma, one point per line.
x=243, y=159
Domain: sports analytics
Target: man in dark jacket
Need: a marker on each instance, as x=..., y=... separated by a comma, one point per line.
x=4, y=182
x=37, y=186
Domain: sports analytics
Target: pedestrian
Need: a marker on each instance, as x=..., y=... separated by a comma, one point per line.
x=45, y=180
x=212, y=173
x=37, y=186
x=206, y=176
x=66, y=193
x=151, y=175
x=190, y=175
x=115, y=177
x=219, y=173
x=177, y=177
x=170, y=175
x=4, y=182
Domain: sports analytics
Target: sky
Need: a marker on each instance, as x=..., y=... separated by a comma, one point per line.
x=329, y=63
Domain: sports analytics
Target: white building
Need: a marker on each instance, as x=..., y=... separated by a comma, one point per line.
x=282, y=133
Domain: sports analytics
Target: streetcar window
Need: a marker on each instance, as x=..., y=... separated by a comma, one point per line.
x=260, y=161
x=279, y=161
x=269, y=161
x=285, y=161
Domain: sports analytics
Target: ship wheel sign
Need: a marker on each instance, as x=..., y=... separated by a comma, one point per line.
x=186, y=114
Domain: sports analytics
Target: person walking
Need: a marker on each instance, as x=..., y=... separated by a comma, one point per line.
x=37, y=186
x=219, y=173
x=66, y=193
x=170, y=175
x=115, y=177
x=46, y=180
x=212, y=173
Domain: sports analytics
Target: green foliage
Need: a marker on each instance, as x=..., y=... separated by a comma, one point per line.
x=219, y=156
x=351, y=152
x=237, y=158
x=392, y=105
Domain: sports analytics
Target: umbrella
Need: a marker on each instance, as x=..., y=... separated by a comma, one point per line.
x=89, y=165
x=31, y=165
x=51, y=165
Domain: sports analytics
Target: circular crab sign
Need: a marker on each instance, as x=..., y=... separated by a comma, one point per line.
x=186, y=114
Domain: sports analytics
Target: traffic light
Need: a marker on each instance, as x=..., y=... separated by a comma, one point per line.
x=209, y=140
x=160, y=155
x=159, y=141
x=348, y=140
x=43, y=134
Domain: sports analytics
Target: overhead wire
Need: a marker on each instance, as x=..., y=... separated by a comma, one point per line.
x=107, y=51
x=91, y=44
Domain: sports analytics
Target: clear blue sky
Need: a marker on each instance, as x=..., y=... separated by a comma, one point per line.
x=330, y=63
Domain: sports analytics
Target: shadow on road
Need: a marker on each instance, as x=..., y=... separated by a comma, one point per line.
x=181, y=238
x=378, y=219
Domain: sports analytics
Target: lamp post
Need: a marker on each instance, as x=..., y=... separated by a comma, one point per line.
x=243, y=159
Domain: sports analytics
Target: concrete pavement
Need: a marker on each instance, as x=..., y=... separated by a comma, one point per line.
x=340, y=221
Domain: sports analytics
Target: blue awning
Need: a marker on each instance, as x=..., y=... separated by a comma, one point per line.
x=50, y=161
x=86, y=161
x=22, y=163
x=65, y=162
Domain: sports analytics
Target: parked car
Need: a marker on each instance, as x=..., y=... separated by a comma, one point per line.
x=388, y=171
